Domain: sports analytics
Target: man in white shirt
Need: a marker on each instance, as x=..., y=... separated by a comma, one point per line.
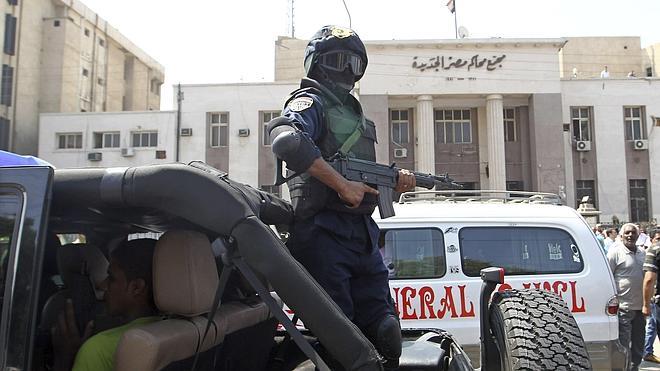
x=604, y=74
x=610, y=238
x=626, y=262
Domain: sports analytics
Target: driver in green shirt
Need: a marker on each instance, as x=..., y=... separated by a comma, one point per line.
x=128, y=294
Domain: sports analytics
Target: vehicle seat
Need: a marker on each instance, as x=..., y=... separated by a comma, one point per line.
x=82, y=268
x=185, y=281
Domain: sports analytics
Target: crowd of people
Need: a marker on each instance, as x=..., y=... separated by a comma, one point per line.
x=634, y=260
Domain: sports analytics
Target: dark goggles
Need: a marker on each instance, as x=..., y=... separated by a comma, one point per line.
x=339, y=60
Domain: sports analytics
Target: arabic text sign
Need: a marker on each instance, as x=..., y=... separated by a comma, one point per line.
x=438, y=63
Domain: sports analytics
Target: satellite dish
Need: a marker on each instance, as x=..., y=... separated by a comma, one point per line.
x=463, y=32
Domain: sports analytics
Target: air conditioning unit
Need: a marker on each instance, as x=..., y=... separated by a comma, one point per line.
x=243, y=132
x=128, y=152
x=640, y=144
x=400, y=152
x=95, y=156
x=583, y=145
x=186, y=132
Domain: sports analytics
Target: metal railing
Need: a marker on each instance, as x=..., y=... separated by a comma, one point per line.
x=482, y=196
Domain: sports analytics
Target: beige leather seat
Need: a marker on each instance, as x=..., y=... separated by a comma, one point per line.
x=185, y=280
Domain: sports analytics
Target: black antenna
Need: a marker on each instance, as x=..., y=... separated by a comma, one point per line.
x=350, y=23
x=293, y=25
x=179, y=99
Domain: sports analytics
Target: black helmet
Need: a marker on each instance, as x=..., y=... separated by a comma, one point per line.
x=336, y=48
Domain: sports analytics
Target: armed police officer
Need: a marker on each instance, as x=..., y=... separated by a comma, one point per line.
x=333, y=234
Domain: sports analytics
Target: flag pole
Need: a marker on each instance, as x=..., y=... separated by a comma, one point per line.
x=455, y=21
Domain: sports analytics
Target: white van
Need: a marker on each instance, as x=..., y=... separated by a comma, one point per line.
x=438, y=241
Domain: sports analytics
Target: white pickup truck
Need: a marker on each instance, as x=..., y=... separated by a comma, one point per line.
x=438, y=242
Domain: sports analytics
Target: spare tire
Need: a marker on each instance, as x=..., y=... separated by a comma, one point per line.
x=534, y=330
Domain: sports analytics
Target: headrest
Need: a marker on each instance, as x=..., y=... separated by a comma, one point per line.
x=185, y=275
x=81, y=259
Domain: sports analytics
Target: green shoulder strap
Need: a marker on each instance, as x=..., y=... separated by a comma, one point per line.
x=353, y=138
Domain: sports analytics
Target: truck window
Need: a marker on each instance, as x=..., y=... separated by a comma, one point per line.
x=519, y=250
x=10, y=204
x=413, y=253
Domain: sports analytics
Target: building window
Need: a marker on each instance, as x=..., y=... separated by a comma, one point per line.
x=649, y=71
x=69, y=141
x=639, y=206
x=86, y=32
x=145, y=139
x=6, y=85
x=272, y=189
x=219, y=128
x=12, y=2
x=453, y=126
x=154, y=86
x=10, y=34
x=56, y=23
x=100, y=81
x=4, y=134
x=85, y=72
x=266, y=117
x=585, y=188
x=400, y=126
x=634, y=123
x=510, y=125
x=101, y=42
x=106, y=140
x=514, y=185
x=581, y=119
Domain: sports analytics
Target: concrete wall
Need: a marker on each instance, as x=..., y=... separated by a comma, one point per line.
x=608, y=99
x=26, y=79
x=89, y=123
x=651, y=56
x=376, y=108
x=243, y=102
x=289, y=58
x=591, y=54
x=416, y=67
x=115, y=83
x=546, y=143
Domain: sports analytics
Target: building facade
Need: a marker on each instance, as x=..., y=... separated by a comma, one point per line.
x=112, y=139
x=59, y=56
x=517, y=114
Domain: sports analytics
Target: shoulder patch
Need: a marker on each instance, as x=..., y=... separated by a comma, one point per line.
x=300, y=104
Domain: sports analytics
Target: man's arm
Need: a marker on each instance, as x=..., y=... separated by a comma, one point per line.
x=650, y=276
x=647, y=291
x=611, y=260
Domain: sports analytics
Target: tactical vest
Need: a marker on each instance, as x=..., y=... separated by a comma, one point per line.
x=341, y=121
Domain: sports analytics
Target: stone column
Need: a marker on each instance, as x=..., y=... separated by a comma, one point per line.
x=495, y=123
x=425, y=149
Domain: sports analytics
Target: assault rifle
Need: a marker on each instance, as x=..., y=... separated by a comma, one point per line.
x=385, y=178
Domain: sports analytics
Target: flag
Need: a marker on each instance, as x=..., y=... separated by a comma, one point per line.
x=451, y=6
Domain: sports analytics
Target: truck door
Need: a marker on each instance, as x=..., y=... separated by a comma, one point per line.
x=24, y=202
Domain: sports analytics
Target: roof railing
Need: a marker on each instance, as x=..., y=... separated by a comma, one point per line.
x=482, y=196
